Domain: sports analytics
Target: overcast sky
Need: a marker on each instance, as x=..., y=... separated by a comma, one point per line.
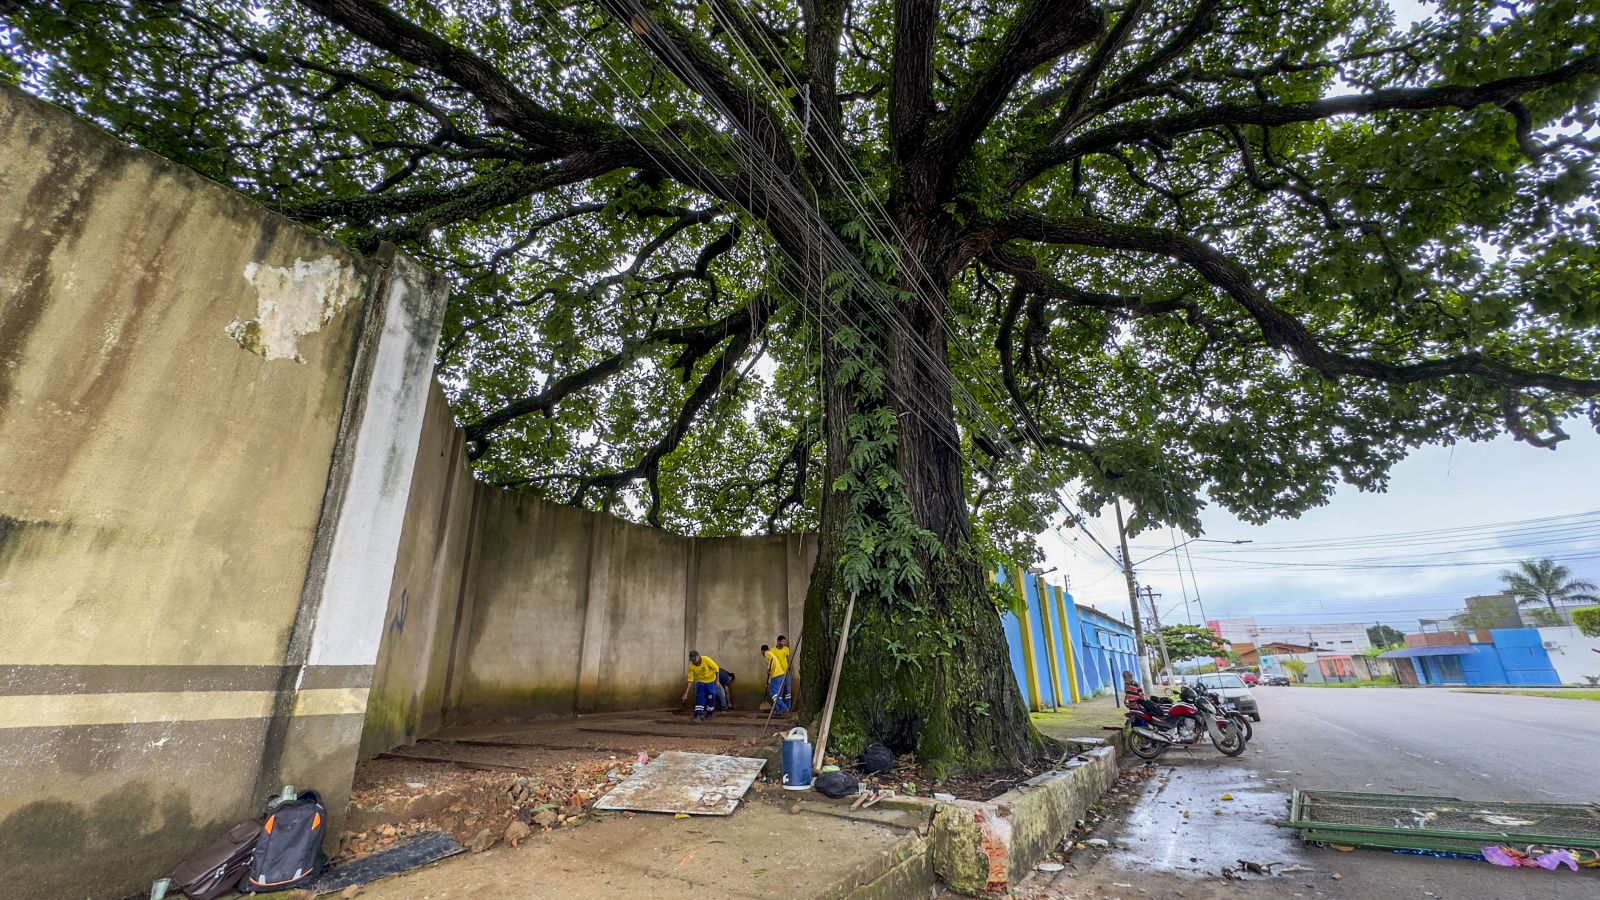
x=1361, y=558
x=1487, y=505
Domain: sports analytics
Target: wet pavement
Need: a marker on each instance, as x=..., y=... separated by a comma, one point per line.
x=1181, y=834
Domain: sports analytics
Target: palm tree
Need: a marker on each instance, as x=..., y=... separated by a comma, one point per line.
x=1543, y=581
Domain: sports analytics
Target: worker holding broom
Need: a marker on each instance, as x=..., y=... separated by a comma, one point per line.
x=703, y=681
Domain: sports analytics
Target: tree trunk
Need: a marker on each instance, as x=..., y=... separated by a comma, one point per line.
x=927, y=668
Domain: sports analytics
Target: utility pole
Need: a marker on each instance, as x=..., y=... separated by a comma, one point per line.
x=1133, y=600
x=1161, y=637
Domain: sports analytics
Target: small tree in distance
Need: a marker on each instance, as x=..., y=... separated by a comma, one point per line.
x=1587, y=620
x=1188, y=642
x=1296, y=667
x=1385, y=636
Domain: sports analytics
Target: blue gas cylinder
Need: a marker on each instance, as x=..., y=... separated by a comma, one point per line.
x=796, y=761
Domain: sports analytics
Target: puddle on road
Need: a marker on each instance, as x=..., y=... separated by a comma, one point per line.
x=1159, y=837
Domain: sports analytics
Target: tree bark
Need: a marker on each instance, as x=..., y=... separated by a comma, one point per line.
x=927, y=668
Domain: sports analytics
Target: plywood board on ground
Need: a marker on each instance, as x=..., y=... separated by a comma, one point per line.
x=698, y=784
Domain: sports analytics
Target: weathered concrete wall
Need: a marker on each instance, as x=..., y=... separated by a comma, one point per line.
x=573, y=611
x=208, y=418
x=409, y=681
x=507, y=606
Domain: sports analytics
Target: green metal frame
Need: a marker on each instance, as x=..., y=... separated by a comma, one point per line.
x=1390, y=838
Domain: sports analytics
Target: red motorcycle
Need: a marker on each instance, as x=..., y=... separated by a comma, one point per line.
x=1196, y=713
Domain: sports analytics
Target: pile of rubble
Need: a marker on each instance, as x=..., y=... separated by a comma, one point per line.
x=480, y=809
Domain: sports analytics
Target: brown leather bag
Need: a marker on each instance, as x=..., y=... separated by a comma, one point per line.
x=215, y=870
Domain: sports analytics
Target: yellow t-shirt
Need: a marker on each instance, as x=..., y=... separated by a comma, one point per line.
x=706, y=672
x=776, y=665
x=782, y=653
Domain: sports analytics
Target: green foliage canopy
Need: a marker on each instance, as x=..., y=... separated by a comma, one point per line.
x=1385, y=636
x=1588, y=620
x=1187, y=252
x=1188, y=642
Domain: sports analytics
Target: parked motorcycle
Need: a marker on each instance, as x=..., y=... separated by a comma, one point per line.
x=1195, y=713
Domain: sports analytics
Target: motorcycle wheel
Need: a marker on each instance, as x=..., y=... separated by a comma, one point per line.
x=1232, y=747
x=1244, y=726
x=1143, y=747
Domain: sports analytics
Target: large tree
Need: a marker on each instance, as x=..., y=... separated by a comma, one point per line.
x=908, y=271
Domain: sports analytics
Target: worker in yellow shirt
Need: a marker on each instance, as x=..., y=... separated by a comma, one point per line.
x=703, y=681
x=777, y=680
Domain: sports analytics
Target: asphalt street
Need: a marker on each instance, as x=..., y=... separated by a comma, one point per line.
x=1175, y=841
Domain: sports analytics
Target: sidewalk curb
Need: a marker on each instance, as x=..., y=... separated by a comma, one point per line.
x=986, y=846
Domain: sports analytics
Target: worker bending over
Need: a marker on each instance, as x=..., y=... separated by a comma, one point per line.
x=703, y=681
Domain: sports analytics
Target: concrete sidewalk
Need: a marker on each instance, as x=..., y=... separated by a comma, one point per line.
x=801, y=845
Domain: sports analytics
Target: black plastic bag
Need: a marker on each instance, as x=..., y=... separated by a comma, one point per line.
x=877, y=760
x=836, y=784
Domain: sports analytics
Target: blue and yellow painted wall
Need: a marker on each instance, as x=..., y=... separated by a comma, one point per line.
x=1061, y=652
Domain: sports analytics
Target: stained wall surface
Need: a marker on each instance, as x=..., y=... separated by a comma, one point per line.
x=199, y=403
x=240, y=541
x=506, y=606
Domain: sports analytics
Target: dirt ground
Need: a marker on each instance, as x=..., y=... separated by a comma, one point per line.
x=774, y=845
x=474, y=781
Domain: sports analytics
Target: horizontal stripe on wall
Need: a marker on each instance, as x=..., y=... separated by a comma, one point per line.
x=68, y=710
x=18, y=680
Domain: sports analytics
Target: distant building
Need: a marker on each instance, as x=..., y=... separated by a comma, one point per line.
x=1488, y=611
x=1339, y=639
x=1497, y=656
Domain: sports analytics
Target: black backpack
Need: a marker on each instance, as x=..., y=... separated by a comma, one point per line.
x=289, y=851
x=877, y=759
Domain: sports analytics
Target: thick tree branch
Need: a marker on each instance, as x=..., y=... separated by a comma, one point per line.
x=432, y=206
x=1083, y=81
x=1038, y=281
x=711, y=383
x=1164, y=128
x=1198, y=26
x=1279, y=328
x=824, y=26
x=745, y=320
x=1041, y=31
x=704, y=71
x=504, y=103
x=911, y=76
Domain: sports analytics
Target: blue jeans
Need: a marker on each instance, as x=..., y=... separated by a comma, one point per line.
x=778, y=691
x=705, y=698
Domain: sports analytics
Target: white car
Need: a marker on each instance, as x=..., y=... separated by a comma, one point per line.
x=1232, y=689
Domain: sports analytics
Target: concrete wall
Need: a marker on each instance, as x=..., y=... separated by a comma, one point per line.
x=208, y=418
x=1574, y=654
x=409, y=682
x=570, y=611
x=240, y=543
x=506, y=606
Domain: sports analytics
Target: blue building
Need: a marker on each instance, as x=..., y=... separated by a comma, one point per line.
x=1061, y=652
x=1510, y=656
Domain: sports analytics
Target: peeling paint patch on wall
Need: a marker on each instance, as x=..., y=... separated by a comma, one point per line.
x=292, y=303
